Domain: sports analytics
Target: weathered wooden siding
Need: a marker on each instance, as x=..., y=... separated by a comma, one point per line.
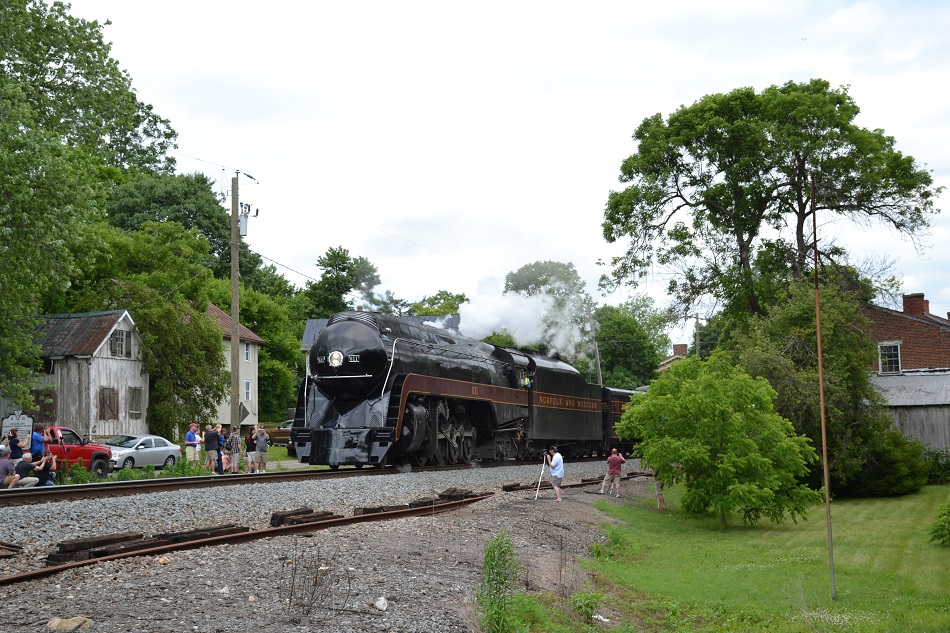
x=929, y=424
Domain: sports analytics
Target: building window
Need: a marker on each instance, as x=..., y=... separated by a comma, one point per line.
x=247, y=352
x=247, y=390
x=135, y=403
x=120, y=343
x=890, y=355
x=108, y=403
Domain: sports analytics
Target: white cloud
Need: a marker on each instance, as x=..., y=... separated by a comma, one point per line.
x=489, y=134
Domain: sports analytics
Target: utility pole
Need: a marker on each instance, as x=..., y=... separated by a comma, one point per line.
x=235, y=308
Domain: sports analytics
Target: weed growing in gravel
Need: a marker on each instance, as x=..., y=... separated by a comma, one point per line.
x=499, y=578
x=314, y=583
x=584, y=603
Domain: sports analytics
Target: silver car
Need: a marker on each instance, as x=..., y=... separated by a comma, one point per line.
x=136, y=450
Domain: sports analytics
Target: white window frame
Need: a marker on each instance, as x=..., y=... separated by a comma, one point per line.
x=247, y=391
x=247, y=352
x=881, y=357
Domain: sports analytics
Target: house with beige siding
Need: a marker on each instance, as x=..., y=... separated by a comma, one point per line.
x=250, y=344
x=93, y=378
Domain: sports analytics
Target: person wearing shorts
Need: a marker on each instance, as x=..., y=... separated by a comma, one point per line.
x=556, y=468
x=191, y=443
x=249, y=445
x=614, y=463
x=260, y=449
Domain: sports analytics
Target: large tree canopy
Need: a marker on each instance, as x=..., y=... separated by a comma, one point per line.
x=727, y=180
x=865, y=456
x=76, y=90
x=712, y=426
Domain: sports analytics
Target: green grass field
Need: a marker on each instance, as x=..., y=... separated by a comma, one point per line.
x=664, y=571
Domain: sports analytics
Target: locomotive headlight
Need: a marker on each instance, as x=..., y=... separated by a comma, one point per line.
x=335, y=359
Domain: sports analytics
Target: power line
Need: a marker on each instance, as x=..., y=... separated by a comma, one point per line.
x=398, y=237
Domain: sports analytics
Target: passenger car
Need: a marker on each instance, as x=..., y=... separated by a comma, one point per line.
x=134, y=450
x=280, y=435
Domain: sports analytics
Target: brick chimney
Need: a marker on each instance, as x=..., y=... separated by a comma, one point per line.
x=679, y=349
x=915, y=304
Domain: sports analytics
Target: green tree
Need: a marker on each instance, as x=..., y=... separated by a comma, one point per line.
x=712, y=426
x=782, y=347
x=442, y=302
x=43, y=194
x=280, y=363
x=342, y=275
x=190, y=201
x=157, y=274
x=76, y=90
x=628, y=357
x=706, y=184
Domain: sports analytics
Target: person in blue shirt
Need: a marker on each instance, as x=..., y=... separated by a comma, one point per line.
x=39, y=439
x=556, y=468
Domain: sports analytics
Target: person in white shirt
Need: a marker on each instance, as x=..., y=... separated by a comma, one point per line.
x=556, y=468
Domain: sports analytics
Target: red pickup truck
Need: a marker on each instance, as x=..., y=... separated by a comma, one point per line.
x=69, y=447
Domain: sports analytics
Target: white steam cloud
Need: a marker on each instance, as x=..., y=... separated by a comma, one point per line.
x=530, y=320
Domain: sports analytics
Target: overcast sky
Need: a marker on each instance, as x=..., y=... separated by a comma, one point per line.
x=450, y=143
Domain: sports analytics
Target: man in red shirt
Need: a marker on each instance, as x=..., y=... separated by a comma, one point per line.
x=614, y=463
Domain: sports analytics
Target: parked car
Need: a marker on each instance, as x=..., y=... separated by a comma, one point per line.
x=136, y=450
x=280, y=435
x=70, y=447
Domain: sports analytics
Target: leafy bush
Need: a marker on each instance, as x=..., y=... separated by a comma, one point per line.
x=940, y=530
x=499, y=576
x=938, y=464
x=894, y=467
x=134, y=474
x=583, y=603
x=76, y=473
x=184, y=468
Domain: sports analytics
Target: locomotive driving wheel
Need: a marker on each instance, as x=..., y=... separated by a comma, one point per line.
x=467, y=443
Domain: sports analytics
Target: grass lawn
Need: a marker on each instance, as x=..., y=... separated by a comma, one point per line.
x=664, y=571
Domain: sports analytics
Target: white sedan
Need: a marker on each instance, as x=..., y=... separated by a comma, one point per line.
x=129, y=451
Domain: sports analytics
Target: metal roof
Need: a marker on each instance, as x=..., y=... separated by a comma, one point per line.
x=314, y=326
x=914, y=389
x=224, y=320
x=80, y=334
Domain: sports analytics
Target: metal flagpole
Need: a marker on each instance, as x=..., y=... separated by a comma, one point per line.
x=821, y=399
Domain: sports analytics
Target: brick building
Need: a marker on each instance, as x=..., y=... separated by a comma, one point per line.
x=911, y=339
x=913, y=368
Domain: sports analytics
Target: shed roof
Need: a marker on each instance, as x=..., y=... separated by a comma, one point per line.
x=80, y=334
x=914, y=389
x=224, y=320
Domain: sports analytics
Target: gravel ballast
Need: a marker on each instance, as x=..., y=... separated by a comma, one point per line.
x=409, y=575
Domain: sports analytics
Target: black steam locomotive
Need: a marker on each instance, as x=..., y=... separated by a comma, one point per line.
x=383, y=390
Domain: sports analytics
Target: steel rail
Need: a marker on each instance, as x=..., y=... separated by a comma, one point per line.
x=46, y=494
x=245, y=537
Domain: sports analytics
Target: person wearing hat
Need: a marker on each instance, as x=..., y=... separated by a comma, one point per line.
x=556, y=468
x=7, y=469
x=191, y=444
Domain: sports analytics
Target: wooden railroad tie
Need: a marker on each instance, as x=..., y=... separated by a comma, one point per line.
x=99, y=546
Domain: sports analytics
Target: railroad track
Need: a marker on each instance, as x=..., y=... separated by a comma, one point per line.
x=46, y=494
x=291, y=522
x=244, y=535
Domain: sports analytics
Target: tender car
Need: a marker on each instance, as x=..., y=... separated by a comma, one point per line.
x=136, y=450
x=280, y=435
